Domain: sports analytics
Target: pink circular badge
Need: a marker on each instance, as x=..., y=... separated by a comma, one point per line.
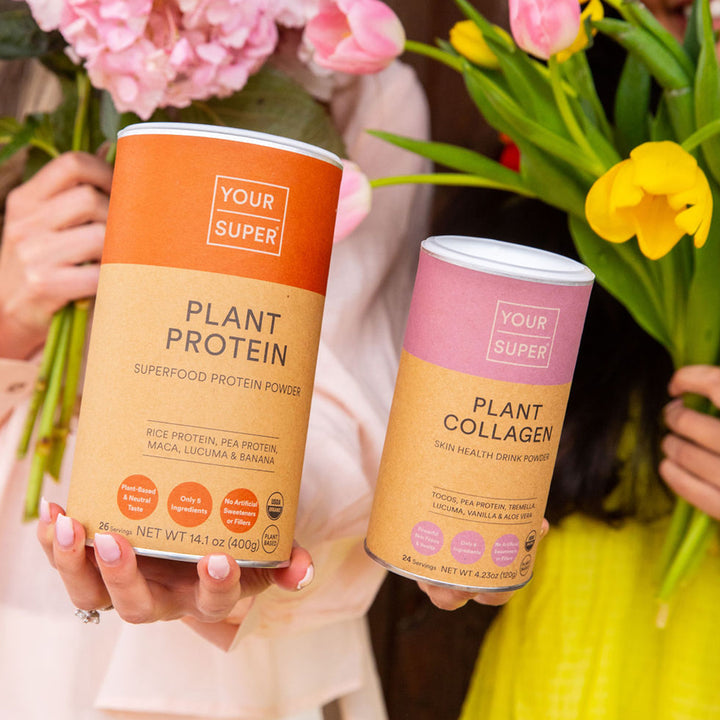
x=505, y=550
x=426, y=538
x=467, y=547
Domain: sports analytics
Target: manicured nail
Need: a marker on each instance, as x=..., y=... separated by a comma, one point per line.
x=45, y=510
x=64, y=531
x=309, y=575
x=218, y=567
x=107, y=548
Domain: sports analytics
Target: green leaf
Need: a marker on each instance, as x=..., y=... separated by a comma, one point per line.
x=20, y=36
x=14, y=139
x=653, y=53
x=707, y=91
x=632, y=105
x=623, y=271
x=270, y=102
x=458, y=158
x=552, y=180
x=702, y=329
x=506, y=115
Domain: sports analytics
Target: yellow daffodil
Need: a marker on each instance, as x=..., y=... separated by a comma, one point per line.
x=658, y=194
x=466, y=38
x=593, y=10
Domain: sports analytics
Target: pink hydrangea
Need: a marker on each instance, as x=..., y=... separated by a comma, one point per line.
x=153, y=54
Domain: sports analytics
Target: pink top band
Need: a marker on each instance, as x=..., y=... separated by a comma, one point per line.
x=495, y=326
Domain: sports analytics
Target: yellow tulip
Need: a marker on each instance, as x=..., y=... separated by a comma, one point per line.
x=658, y=194
x=594, y=10
x=466, y=38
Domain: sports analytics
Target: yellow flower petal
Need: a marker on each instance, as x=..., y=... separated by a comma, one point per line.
x=655, y=227
x=601, y=216
x=625, y=191
x=594, y=11
x=662, y=168
x=466, y=38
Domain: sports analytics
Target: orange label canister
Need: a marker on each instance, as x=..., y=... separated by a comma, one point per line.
x=204, y=342
x=485, y=372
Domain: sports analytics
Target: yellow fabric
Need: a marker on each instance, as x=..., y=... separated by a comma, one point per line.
x=580, y=642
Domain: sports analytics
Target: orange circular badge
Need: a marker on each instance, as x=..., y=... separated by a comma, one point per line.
x=239, y=510
x=137, y=497
x=189, y=504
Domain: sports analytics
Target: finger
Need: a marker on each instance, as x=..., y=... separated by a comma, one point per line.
x=696, y=460
x=45, y=529
x=66, y=171
x=75, y=206
x=701, y=379
x=80, y=576
x=218, y=588
x=298, y=574
x=698, y=493
x=699, y=427
x=447, y=598
x=132, y=596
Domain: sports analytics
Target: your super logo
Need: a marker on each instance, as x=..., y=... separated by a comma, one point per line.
x=248, y=215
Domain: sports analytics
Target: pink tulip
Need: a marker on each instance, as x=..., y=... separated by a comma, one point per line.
x=354, y=201
x=355, y=36
x=544, y=27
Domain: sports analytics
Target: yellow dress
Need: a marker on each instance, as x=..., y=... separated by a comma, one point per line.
x=580, y=641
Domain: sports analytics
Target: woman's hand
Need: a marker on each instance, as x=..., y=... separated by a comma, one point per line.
x=146, y=589
x=691, y=466
x=451, y=599
x=52, y=241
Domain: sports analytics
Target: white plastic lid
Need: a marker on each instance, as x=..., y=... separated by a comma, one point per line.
x=230, y=133
x=508, y=259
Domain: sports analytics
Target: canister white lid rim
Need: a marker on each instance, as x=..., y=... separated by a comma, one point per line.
x=508, y=259
x=230, y=133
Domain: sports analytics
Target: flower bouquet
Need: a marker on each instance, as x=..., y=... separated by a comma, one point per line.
x=263, y=65
x=639, y=190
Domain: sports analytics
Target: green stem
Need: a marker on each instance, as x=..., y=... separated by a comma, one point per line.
x=41, y=382
x=436, y=54
x=80, y=313
x=689, y=554
x=84, y=89
x=450, y=179
x=568, y=116
x=47, y=417
x=701, y=135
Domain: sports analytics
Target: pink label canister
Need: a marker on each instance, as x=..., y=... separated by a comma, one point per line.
x=487, y=362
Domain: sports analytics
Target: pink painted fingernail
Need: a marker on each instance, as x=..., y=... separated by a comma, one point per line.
x=45, y=511
x=64, y=531
x=218, y=567
x=107, y=548
x=309, y=575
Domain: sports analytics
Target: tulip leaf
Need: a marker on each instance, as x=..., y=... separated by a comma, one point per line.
x=623, y=271
x=458, y=158
x=702, y=330
x=654, y=54
x=552, y=180
x=645, y=20
x=707, y=91
x=632, y=106
x=504, y=113
x=576, y=71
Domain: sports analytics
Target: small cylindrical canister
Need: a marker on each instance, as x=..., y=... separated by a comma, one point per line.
x=487, y=361
x=204, y=342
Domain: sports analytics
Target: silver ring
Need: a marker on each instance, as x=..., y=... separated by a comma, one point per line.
x=91, y=616
x=88, y=616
